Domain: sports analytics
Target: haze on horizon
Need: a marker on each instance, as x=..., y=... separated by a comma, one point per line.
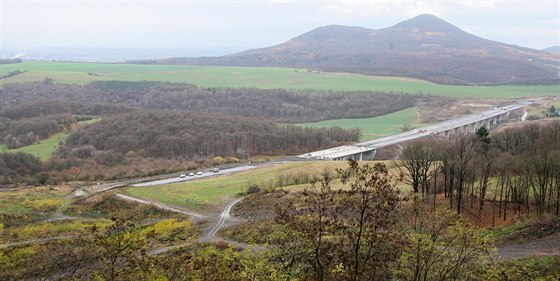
x=216, y=27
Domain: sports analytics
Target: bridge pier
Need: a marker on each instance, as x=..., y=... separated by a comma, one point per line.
x=366, y=155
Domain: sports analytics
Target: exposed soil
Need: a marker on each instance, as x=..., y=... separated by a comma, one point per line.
x=445, y=109
x=490, y=216
x=260, y=206
x=539, y=239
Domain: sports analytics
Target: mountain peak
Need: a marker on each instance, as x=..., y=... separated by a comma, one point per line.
x=424, y=47
x=427, y=22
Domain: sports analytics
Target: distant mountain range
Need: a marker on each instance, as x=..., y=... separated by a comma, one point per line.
x=424, y=47
x=553, y=50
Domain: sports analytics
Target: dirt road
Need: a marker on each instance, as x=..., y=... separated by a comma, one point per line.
x=194, y=215
x=543, y=246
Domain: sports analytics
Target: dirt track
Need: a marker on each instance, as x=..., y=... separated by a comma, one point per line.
x=162, y=206
x=545, y=246
x=218, y=221
x=540, y=239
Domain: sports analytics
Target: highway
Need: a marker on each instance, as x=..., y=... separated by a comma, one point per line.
x=205, y=174
x=347, y=150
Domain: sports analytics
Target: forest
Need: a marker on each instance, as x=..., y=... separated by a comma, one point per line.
x=142, y=143
x=279, y=105
x=185, y=125
x=173, y=134
x=515, y=171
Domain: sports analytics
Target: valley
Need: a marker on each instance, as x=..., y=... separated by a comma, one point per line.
x=416, y=151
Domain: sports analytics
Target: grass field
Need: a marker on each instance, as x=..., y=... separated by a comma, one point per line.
x=375, y=127
x=208, y=193
x=262, y=77
x=43, y=149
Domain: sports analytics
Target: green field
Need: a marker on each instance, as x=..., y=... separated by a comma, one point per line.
x=374, y=127
x=44, y=149
x=207, y=193
x=262, y=77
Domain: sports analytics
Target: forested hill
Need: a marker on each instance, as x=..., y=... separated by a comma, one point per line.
x=178, y=134
x=277, y=105
x=424, y=47
x=145, y=143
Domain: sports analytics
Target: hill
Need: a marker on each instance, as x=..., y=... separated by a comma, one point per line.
x=553, y=50
x=424, y=47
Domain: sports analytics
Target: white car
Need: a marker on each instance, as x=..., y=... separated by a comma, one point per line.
x=199, y=173
x=191, y=174
x=182, y=176
x=215, y=170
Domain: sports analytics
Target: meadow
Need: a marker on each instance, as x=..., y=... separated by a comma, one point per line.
x=374, y=127
x=205, y=194
x=44, y=149
x=262, y=77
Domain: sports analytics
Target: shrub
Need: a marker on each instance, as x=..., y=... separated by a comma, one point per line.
x=171, y=230
x=253, y=188
x=44, y=205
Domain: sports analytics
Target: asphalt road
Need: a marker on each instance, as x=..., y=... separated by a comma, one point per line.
x=205, y=174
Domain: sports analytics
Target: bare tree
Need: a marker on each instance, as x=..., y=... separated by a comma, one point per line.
x=415, y=164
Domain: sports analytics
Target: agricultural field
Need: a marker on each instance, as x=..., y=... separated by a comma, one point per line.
x=375, y=127
x=206, y=194
x=262, y=77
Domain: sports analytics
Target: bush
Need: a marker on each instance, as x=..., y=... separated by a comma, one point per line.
x=171, y=230
x=533, y=117
x=44, y=205
x=253, y=188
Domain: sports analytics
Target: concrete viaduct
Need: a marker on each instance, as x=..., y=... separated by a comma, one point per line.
x=463, y=125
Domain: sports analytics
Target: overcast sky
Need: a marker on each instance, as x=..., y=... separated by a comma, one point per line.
x=251, y=24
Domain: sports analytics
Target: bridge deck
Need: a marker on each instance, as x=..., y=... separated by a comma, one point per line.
x=348, y=150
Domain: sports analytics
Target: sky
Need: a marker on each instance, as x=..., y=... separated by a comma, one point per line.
x=238, y=25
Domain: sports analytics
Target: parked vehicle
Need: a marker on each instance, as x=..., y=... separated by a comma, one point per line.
x=199, y=173
x=191, y=174
x=182, y=176
x=215, y=170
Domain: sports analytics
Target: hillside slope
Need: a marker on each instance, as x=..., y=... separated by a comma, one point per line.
x=553, y=50
x=424, y=47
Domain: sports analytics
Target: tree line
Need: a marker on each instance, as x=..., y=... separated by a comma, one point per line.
x=10, y=61
x=47, y=107
x=516, y=170
x=278, y=105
